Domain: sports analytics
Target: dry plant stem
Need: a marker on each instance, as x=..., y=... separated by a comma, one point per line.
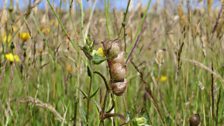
x=139, y=32
x=135, y=45
x=70, y=6
x=217, y=106
x=43, y=105
x=71, y=10
x=60, y=22
x=212, y=93
x=10, y=90
x=90, y=19
x=115, y=22
x=107, y=11
x=217, y=20
x=204, y=67
x=3, y=66
x=149, y=91
x=125, y=16
x=124, y=24
x=179, y=59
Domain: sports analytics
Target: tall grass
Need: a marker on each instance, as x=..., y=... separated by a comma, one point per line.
x=173, y=60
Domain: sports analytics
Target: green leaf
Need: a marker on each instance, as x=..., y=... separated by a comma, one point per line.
x=96, y=59
x=89, y=71
x=94, y=93
x=87, y=51
x=85, y=95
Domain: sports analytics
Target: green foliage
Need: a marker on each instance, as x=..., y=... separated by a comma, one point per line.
x=174, y=72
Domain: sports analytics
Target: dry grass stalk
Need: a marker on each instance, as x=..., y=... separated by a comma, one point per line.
x=43, y=105
x=204, y=67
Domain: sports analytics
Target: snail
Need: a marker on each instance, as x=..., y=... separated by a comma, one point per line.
x=117, y=66
x=194, y=120
x=118, y=88
x=118, y=71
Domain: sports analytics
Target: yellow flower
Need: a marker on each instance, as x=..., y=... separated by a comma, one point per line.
x=45, y=30
x=9, y=57
x=16, y=58
x=163, y=78
x=24, y=36
x=100, y=52
x=69, y=68
x=12, y=58
x=7, y=38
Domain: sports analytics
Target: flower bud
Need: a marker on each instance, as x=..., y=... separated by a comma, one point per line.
x=118, y=71
x=118, y=88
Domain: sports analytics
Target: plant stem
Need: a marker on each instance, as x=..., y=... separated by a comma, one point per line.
x=124, y=24
x=89, y=94
x=139, y=32
x=60, y=22
x=107, y=6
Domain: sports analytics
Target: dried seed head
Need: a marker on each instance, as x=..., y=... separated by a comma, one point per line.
x=160, y=57
x=195, y=29
x=118, y=71
x=4, y=16
x=183, y=19
x=180, y=11
x=209, y=5
x=118, y=88
x=194, y=120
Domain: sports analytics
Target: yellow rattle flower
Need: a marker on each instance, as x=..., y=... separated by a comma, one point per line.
x=24, y=36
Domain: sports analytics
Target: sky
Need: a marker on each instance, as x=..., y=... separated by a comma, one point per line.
x=119, y=4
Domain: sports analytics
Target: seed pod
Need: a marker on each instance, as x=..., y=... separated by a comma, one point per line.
x=118, y=88
x=118, y=71
x=194, y=120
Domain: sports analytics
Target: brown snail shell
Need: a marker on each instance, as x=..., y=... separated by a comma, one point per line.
x=114, y=49
x=194, y=120
x=118, y=88
x=119, y=59
x=118, y=71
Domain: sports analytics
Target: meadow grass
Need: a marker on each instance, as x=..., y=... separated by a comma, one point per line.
x=173, y=59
